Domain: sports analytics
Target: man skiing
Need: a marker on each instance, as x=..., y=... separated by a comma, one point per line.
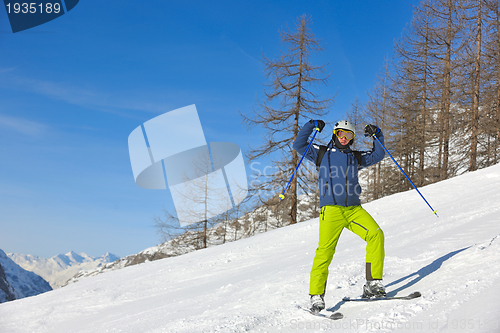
x=339, y=192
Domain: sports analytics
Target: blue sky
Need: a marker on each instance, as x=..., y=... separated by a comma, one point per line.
x=73, y=89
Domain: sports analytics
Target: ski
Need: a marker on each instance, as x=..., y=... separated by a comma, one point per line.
x=334, y=316
x=414, y=295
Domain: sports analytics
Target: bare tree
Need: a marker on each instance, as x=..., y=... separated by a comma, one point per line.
x=490, y=121
x=289, y=100
x=377, y=111
x=442, y=94
x=200, y=196
x=476, y=88
x=449, y=30
x=417, y=50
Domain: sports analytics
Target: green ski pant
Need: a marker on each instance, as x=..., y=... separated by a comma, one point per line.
x=332, y=220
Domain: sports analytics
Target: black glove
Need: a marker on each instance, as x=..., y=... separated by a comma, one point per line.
x=371, y=130
x=321, y=124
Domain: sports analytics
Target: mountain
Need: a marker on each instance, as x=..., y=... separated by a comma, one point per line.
x=60, y=268
x=256, y=284
x=7, y=293
x=17, y=283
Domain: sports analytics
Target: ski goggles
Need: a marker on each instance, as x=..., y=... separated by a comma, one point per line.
x=344, y=134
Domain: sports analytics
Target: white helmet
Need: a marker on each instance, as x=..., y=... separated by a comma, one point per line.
x=345, y=125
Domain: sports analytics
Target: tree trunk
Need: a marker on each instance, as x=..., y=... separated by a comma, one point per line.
x=475, y=103
x=447, y=95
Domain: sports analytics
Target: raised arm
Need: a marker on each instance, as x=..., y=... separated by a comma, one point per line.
x=377, y=153
x=301, y=142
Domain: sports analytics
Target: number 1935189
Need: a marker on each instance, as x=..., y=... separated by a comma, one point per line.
x=32, y=8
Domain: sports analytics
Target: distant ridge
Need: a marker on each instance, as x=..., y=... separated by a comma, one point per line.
x=60, y=268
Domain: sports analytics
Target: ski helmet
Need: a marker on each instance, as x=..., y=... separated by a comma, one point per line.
x=345, y=125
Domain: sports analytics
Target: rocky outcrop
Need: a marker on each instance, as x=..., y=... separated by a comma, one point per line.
x=6, y=290
x=16, y=282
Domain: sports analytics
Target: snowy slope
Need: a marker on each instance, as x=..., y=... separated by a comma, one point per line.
x=60, y=268
x=254, y=222
x=256, y=283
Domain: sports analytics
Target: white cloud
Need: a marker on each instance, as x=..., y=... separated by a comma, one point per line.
x=6, y=70
x=23, y=126
x=92, y=98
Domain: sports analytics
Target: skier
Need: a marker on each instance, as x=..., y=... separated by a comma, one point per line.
x=339, y=192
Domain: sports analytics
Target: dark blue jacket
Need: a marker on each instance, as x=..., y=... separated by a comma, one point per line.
x=338, y=174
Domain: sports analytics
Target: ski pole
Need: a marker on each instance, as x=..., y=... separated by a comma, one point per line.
x=433, y=210
x=316, y=130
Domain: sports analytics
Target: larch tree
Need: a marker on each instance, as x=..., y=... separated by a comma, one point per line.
x=289, y=100
x=490, y=122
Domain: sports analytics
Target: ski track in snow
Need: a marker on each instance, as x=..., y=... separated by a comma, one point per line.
x=256, y=284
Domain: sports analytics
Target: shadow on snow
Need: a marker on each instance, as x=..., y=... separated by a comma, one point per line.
x=423, y=272
x=420, y=274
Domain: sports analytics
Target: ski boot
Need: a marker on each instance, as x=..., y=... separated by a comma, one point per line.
x=374, y=288
x=317, y=303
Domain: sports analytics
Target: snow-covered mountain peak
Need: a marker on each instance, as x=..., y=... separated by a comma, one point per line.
x=76, y=258
x=109, y=257
x=62, y=260
x=60, y=268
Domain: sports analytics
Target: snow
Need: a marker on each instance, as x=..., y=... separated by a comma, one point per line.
x=255, y=284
